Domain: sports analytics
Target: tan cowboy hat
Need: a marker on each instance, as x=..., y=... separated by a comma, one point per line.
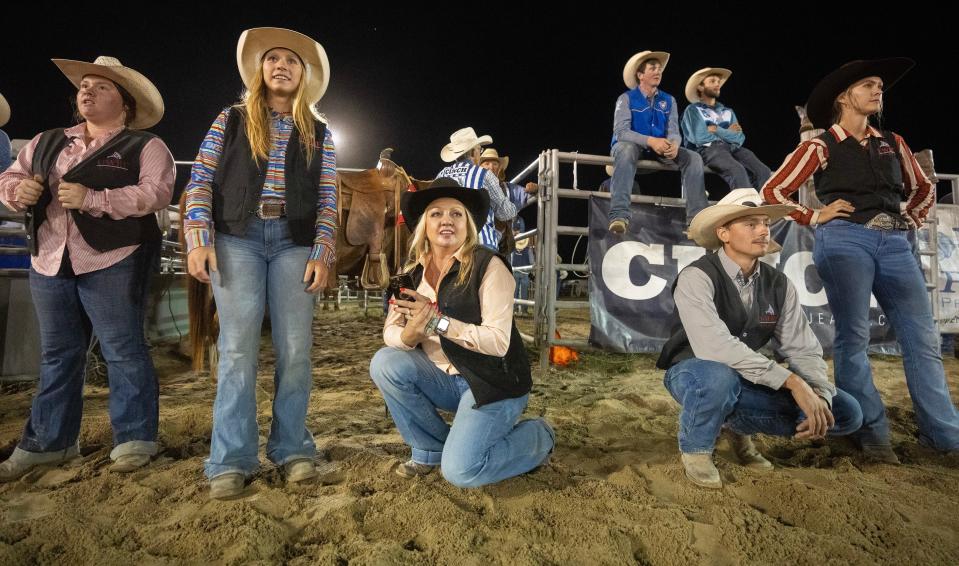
x=692, y=94
x=737, y=204
x=461, y=141
x=4, y=111
x=149, y=101
x=490, y=154
x=629, y=71
x=255, y=42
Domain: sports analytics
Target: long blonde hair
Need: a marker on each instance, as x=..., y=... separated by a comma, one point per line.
x=420, y=247
x=258, y=117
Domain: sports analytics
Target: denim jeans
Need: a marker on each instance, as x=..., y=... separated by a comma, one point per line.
x=626, y=154
x=854, y=261
x=522, y=289
x=484, y=444
x=110, y=303
x=713, y=394
x=738, y=166
x=263, y=267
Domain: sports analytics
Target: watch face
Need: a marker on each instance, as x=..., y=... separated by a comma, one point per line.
x=443, y=325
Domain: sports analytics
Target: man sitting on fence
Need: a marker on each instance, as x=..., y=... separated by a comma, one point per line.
x=646, y=125
x=730, y=305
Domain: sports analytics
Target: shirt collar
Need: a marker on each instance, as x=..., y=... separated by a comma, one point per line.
x=733, y=270
x=424, y=259
x=841, y=133
x=80, y=131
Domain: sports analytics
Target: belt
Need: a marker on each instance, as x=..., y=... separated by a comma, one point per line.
x=884, y=221
x=271, y=209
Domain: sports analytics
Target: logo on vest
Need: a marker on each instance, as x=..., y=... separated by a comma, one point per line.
x=769, y=317
x=885, y=148
x=662, y=105
x=113, y=161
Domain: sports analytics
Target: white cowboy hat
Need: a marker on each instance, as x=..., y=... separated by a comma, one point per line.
x=4, y=111
x=629, y=71
x=692, y=94
x=148, y=99
x=461, y=141
x=737, y=204
x=255, y=42
x=490, y=154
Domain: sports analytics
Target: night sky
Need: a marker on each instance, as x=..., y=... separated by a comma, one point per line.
x=531, y=79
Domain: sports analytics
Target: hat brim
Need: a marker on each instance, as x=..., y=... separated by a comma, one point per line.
x=503, y=163
x=702, y=229
x=820, y=102
x=254, y=43
x=451, y=151
x=414, y=203
x=692, y=84
x=4, y=111
x=629, y=70
x=149, y=102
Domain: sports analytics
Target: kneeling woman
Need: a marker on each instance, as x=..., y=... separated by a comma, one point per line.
x=453, y=346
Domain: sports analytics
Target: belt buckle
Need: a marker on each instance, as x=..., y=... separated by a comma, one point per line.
x=270, y=210
x=883, y=221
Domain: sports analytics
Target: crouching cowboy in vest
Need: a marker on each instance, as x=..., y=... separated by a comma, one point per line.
x=729, y=306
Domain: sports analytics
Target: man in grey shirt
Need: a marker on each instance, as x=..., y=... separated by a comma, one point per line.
x=730, y=305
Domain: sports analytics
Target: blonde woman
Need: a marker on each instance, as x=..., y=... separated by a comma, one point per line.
x=452, y=345
x=260, y=221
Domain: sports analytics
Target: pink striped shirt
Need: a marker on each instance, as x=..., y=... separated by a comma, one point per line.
x=59, y=232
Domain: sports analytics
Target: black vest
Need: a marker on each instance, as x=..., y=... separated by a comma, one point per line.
x=116, y=164
x=754, y=328
x=870, y=178
x=238, y=182
x=491, y=378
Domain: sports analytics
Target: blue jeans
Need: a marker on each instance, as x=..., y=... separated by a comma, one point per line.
x=738, y=166
x=854, y=261
x=484, y=444
x=522, y=289
x=625, y=156
x=262, y=267
x=110, y=302
x=713, y=394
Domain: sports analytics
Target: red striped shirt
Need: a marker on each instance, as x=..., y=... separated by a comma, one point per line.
x=812, y=155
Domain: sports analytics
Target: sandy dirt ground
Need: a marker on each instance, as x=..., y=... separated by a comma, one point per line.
x=614, y=492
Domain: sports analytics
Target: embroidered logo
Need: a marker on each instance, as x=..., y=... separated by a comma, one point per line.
x=662, y=105
x=885, y=148
x=113, y=161
x=769, y=317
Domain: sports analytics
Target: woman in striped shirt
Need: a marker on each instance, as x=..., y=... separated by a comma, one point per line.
x=875, y=194
x=259, y=226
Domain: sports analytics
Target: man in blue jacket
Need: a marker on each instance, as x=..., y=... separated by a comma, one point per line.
x=713, y=131
x=646, y=125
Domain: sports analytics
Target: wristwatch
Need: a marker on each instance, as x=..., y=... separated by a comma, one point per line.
x=443, y=325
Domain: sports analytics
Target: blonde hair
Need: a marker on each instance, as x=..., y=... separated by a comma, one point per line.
x=837, y=107
x=258, y=117
x=420, y=246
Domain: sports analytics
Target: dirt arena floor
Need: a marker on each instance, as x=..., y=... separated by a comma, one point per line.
x=614, y=492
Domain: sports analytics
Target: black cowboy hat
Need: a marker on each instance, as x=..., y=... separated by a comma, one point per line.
x=819, y=105
x=414, y=204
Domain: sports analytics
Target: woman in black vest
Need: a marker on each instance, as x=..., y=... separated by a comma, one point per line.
x=452, y=345
x=876, y=196
x=259, y=226
x=88, y=194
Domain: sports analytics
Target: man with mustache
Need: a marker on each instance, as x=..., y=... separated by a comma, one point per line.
x=713, y=130
x=729, y=306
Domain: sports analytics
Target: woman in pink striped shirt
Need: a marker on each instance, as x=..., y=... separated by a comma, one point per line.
x=88, y=194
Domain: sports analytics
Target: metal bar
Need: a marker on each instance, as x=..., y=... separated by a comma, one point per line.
x=551, y=241
x=524, y=302
x=525, y=235
x=575, y=344
x=540, y=283
x=572, y=267
x=570, y=305
x=524, y=269
x=662, y=201
x=529, y=169
x=572, y=231
x=527, y=337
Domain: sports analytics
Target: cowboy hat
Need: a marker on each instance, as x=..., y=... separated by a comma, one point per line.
x=255, y=42
x=4, y=111
x=737, y=204
x=692, y=93
x=148, y=99
x=461, y=141
x=629, y=71
x=414, y=203
x=824, y=94
x=489, y=154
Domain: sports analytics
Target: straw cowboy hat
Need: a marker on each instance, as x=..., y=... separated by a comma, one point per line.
x=149, y=101
x=737, y=204
x=462, y=141
x=255, y=42
x=414, y=203
x=692, y=94
x=819, y=105
x=629, y=71
x=4, y=111
x=489, y=154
